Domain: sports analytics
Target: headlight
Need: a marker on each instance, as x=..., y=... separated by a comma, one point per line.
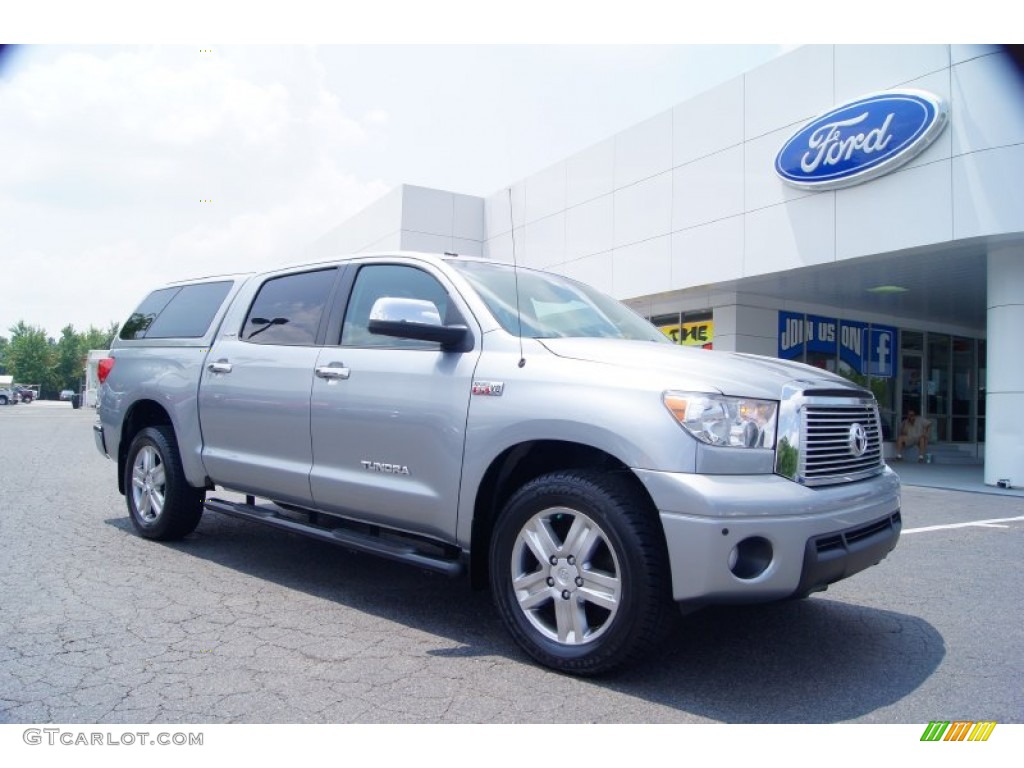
x=734, y=422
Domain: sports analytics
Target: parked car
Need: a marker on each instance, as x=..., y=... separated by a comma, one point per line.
x=27, y=395
x=67, y=394
x=512, y=425
x=8, y=396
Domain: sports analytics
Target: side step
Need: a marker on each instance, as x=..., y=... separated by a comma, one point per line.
x=371, y=543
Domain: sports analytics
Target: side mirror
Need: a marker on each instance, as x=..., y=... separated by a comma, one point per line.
x=415, y=319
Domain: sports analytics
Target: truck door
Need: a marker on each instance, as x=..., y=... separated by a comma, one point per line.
x=389, y=414
x=254, y=396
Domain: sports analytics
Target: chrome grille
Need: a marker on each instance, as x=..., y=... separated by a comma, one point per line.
x=828, y=436
x=831, y=437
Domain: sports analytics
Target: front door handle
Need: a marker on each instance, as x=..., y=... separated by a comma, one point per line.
x=333, y=371
x=220, y=366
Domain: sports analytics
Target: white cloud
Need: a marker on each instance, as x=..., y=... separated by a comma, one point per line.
x=376, y=117
x=108, y=151
x=252, y=241
x=112, y=149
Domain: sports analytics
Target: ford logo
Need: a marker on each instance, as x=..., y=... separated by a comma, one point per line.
x=861, y=139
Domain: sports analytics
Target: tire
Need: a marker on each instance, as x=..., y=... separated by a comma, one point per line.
x=605, y=599
x=3, y=399
x=161, y=503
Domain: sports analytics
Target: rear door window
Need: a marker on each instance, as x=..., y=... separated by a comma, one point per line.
x=288, y=310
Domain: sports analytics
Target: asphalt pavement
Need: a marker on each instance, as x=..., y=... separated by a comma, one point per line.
x=239, y=623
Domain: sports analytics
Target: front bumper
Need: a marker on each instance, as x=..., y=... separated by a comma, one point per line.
x=815, y=536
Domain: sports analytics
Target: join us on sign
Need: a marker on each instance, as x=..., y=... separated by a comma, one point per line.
x=825, y=331
x=866, y=349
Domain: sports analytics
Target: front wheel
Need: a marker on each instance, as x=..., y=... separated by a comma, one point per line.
x=161, y=503
x=580, y=572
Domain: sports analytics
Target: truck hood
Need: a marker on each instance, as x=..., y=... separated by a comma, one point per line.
x=700, y=370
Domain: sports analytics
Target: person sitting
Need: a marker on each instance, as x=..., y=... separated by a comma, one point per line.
x=913, y=430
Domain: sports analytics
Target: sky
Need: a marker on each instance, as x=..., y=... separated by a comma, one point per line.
x=129, y=166
x=135, y=153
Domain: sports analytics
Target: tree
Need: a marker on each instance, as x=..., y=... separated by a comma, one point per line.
x=29, y=357
x=97, y=338
x=4, y=343
x=67, y=355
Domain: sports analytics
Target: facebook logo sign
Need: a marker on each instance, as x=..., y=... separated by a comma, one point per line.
x=882, y=351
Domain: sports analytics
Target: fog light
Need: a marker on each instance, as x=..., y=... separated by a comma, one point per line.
x=750, y=558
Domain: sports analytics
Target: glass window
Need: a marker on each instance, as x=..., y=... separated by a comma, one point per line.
x=912, y=377
x=793, y=333
x=982, y=375
x=287, y=310
x=177, y=313
x=549, y=306
x=912, y=341
x=376, y=281
x=189, y=314
x=669, y=325
x=937, y=384
x=824, y=360
x=822, y=342
x=691, y=329
x=870, y=345
x=698, y=329
x=135, y=327
x=963, y=376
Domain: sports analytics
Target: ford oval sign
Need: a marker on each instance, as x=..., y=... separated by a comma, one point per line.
x=861, y=139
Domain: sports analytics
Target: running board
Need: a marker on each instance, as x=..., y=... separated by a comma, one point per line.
x=351, y=539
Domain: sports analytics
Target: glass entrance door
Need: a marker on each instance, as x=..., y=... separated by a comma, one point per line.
x=938, y=410
x=964, y=389
x=912, y=380
x=912, y=389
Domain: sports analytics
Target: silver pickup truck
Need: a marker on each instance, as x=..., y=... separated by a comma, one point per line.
x=464, y=416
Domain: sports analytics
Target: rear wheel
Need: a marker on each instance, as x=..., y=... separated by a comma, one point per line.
x=579, y=571
x=161, y=503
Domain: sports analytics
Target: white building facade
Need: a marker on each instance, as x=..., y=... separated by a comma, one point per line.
x=911, y=282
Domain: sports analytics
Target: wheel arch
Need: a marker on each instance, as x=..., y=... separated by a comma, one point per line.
x=519, y=464
x=161, y=504
x=142, y=414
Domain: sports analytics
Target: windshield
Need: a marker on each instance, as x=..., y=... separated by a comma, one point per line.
x=551, y=306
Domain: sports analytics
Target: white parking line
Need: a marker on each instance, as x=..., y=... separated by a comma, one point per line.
x=996, y=523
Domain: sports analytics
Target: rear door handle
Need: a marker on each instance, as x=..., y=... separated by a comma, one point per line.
x=333, y=371
x=220, y=366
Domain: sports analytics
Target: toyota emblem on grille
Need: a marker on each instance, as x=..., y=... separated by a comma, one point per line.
x=858, y=440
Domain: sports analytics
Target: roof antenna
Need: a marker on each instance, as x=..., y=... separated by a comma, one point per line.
x=515, y=272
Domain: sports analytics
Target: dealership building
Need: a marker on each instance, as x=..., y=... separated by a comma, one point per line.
x=858, y=208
